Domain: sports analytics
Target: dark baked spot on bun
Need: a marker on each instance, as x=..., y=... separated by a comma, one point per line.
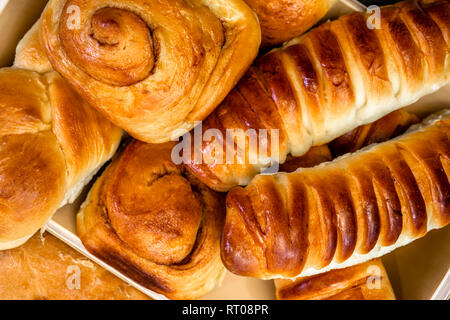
x=273, y=74
x=366, y=199
x=428, y=35
x=327, y=224
x=388, y=201
x=345, y=215
x=155, y=222
x=240, y=233
x=408, y=51
x=298, y=225
x=330, y=56
x=367, y=45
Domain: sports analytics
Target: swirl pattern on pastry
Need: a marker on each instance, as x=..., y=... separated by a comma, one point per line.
x=155, y=222
x=152, y=67
x=282, y=20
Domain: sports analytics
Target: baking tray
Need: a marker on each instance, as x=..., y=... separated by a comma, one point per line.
x=417, y=271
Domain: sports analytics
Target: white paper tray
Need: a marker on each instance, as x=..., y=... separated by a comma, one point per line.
x=417, y=271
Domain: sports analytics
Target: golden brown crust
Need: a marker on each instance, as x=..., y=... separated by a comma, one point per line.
x=51, y=142
x=330, y=81
x=152, y=67
x=30, y=54
x=84, y=136
x=428, y=33
x=155, y=222
x=367, y=281
x=282, y=20
x=46, y=269
x=367, y=204
x=32, y=183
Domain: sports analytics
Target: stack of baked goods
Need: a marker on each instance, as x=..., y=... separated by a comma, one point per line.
x=358, y=175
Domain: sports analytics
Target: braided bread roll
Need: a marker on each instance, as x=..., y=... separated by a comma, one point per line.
x=51, y=144
x=335, y=78
x=348, y=211
x=367, y=281
x=155, y=222
x=282, y=20
x=153, y=67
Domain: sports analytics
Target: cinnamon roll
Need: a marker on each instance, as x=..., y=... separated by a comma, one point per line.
x=282, y=20
x=152, y=220
x=152, y=67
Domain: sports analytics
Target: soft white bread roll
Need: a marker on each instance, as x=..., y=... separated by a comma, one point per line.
x=367, y=281
x=388, y=127
x=344, y=212
x=155, y=222
x=282, y=20
x=333, y=79
x=51, y=144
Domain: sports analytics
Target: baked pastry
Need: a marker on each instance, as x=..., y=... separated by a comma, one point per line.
x=367, y=281
x=328, y=82
x=152, y=67
x=282, y=20
x=45, y=268
x=30, y=54
x=51, y=145
x=341, y=213
x=152, y=220
x=389, y=126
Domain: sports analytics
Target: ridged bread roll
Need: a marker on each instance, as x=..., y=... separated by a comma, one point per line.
x=282, y=20
x=153, y=67
x=30, y=54
x=367, y=281
x=341, y=213
x=51, y=145
x=155, y=222
x=45, y=268
x=328, y=82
